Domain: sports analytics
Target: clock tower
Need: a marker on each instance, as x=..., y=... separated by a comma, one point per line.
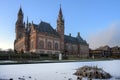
x=20, y=26
x=60, y=29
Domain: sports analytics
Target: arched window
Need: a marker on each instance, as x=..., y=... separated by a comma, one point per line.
x=49, y=45
x=56, y=46
x=41, y=44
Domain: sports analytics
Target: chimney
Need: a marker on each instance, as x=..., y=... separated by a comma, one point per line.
x=78, y=34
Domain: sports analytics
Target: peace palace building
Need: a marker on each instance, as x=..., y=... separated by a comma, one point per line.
x=42, y=38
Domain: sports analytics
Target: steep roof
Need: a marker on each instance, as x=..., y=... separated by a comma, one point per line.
x=46, y=27
x=74, y=40
x=20, y=12
x=104, y=48
x=70, y=39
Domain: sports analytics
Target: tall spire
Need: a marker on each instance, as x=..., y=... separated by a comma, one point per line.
x=60, y=15
x=20, y=16
x=60, y=22
x=20, y=11
x=60, y=28
x=60, y=12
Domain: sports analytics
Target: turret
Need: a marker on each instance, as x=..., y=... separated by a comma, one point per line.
x=20, y=16
x=20, y=26
x=60, y=28
x=60, y=22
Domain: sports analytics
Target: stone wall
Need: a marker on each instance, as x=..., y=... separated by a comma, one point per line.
x=71, y=49
x=84, y=50
x=45, y=39
x=20, y=44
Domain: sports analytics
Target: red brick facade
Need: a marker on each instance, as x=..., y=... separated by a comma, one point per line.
x=42, y=38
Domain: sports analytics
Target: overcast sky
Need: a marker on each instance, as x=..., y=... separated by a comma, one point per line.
x=98, y=21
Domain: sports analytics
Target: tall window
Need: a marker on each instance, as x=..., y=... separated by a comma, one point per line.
x=41, y=44
x=32, y=45
x=56, y=46
x=49, y=45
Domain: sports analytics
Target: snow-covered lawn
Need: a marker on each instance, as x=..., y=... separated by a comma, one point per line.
x=55, y=71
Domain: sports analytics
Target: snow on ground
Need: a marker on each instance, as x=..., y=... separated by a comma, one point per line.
x=55, y=71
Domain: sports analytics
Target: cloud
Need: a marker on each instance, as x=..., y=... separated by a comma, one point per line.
x=109, y=36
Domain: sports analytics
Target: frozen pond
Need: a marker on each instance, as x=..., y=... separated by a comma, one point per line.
x=55, y=71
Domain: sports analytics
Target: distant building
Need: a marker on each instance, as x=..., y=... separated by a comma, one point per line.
x=103, y=51
x=106, y=51
x=42, y=38
x=115, y=51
